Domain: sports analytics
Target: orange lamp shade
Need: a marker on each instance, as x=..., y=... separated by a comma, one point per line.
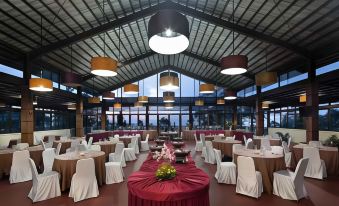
x=104, y=66
x=266, y=78
x=220, y=101
x=206, y=88
x=302, y=98
x=143, y=99
x=117, y=105
x=131, y=88
x=40, y=85
x=94, y=100
x=199, y=102
x=138, y=104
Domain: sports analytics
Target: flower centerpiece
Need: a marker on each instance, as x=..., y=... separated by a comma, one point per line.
x=165, y=171
x=165, y=154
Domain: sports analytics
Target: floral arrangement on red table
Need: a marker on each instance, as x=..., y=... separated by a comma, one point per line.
x=166, y=153
x=165, y=171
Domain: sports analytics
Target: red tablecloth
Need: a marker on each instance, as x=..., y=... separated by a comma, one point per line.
x=238, y=134
x=189, y=187
x=209, y=132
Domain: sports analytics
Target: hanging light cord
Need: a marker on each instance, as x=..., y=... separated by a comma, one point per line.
x=233, y=27
x=103, y=16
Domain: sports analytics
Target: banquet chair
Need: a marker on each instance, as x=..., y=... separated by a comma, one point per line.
x=277, y=150
x=245, y=139
x=218, y=138
x=51, y=139
x=84, y=182
x=221, y=135
x=43, y=144
x=229, y=138
x=90, y=142
x=249, y=144
x=316, y=167
x=226, y=171
x=265, y=144
x=249, y=181
x=74, y=145
x=198, y=144
x=202, y=139
x=95, y=148
x=235, y=147
x=144, y=144
x=118, y=155
x=21, y=146
x=20, y=169
x=287, y=153
x=289, y=141
x=316, y=144
x=57, y=151
x=45, y=186
x=134, y=144
x=290, y=185
x=116, y=136
x=48, y=156
x=130, y=152
x=210, y=157
x=114, y=172
x=63, y=138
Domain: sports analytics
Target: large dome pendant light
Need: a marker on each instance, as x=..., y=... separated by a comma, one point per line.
x=234, y=64
x=108, y=95
x=168, y=32
x=168, y=97
x=143, y=98
x=198, y=102
x=169, y=81
x=118, y=105
x=266, y=78
x=230, y=95
x=138, y=104
x=206, y=88
x=104, y=66
x=71, y=79
x=40, y=84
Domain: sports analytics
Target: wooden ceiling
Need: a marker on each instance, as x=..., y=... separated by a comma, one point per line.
x=290, y=32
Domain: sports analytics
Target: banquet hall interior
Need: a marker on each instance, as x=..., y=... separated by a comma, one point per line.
x=169, y=102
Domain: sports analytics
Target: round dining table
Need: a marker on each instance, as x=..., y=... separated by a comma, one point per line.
x=65, y=144
x=330, y=156
x=273, y=142
x=6, y=156
x=213, y=137
x=225, y=146
x=126, y=140
x=106, y=146
x=65, y=165
x=266, y=163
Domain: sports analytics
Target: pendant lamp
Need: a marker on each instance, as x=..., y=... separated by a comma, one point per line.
x=199, y=102
x=108, y=95
x=302, y=98
x=138, y=104
x=143, y=98
x=168, y=97
x=220, y=101
x=93, y=99
x=71, y=107
x=206, y=88
x=230, y=95
x=131, y=88
x=71, y=79
x=265, y=105
x=169, y=81
x=266, y=78
x=168, y=105
x=168, y=32
x=117, y=105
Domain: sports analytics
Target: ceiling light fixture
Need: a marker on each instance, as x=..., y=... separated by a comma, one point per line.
x=35, y=100
x=131, y=88
x=143, y=98
x=206, y=88
x=71, y=107
x=220, y=101
x=93, y=99
x=71, y=79
x=168, y=105
x=265, y=106
x=138, y=104
x=230, y=95
x=168, y=97
x=168, y=32
x=266, y=78
x=199, y=102
x=302, y=98
x=169, y=81
x=108, y=95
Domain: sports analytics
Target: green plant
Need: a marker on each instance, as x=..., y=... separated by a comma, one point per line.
x=165, y=171
x=332, y=141
x=284, y=137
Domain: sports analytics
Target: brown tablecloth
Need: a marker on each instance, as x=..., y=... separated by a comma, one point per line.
x=65, y=144
x=188, y=134
x=273, y=142
x=330, y=156
x=125, y=140
x=226, y=147
x=6, y=157
x=107, y=147
x=267, y=165
x=65, y=164
x=153, y=134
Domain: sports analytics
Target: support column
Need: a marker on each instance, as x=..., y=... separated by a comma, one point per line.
x=311, y=118
x=147, y=117
x=27, y=112
x=259, y=114
x=235, y=116
x=79, y=127
x=190, y=117
x=103, y=115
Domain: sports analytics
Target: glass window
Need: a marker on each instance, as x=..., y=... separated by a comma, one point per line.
x=134, y=121
x=272, y=123
x=153, y=122
x=327, y=68
x=277, y=119
x=283, y=122
x=291, y=119
x=174, y=122
x=185, y=121
x=164, y=122
x=142, y=122
x=334, y=113
x=11, y=71
x=323, y=119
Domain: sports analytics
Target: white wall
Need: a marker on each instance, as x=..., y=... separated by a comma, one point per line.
x=299, y=135
x=5, y=138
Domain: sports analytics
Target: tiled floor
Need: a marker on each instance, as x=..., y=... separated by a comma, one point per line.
x=321, y=193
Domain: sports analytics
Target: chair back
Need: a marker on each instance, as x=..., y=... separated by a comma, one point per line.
x=96, y=148
x=48, y=156
x=235, y=147
x=20, y=159
x=34, y=171
x=51, y=139
x=22, y=146
x=195, y=138
x=265, y=144
x=63, y=138
x=300, y=171
x=286, y=148
x=147, y=137
x=277, y=150
x=316, y=144
x=84, y=142
x=217, y=154
x=75, y=143
x=289, y=141
x=246, y=170
x=116, y=136
x=119, y=151
x=85, y=168
x=57, y=151
x=202, y=138
x=81, y=147
x=181, y=134
x=90, y=141
x=43, y=144
x=245, y=139
x=249, y=144
x=229, y=138
x=312, y=154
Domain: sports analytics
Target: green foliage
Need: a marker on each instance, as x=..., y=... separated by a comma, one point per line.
x=284, y=137
x=332, y=141
x=165, y=172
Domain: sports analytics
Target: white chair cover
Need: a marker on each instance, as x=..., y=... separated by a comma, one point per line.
x=90, y=142
x=235, y=147
x=95, y=148
x=144, y=144
x=249, y=144
x=316, y=167
x=229, y=138
x=245, y=139
x=290, y=185
x=84, y=183
x=43, y=144
x=202, y=139
x=198, y=144
x=116, y=136
x=134, y=144
x=287, y=154
x=277, y=150
x=74, y=145
x=218, y=137
x=226, y=171
x=265, y=144
x=20, y=169
x=114, y=172
x=48, y=156
x=63, y=138
x=316, y=144
x=289, y=141
x=249, y=181
x=210, y=157
x=45, y=186
x=57, y=151
x=22, y=146
x=118, y=155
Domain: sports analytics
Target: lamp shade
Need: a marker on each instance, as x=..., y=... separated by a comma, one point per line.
x=93, y=100
x=199, y=102
x=131, y=88
x=206, y=88
x=138, y=104
x=168, y=32
x=234, y=64
x=71, y=79
x=230, y=95
x=220, y=101
x=143, y=99
x=108, y=95
x=2, y=104
x=168, y=105
x=265, y=105
x=266, y=78
x=117, y=105
x=302, y=98
x=71, y=107
x=40, y=85
x=168, y=96
x=104, y=66
x=169, y=81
